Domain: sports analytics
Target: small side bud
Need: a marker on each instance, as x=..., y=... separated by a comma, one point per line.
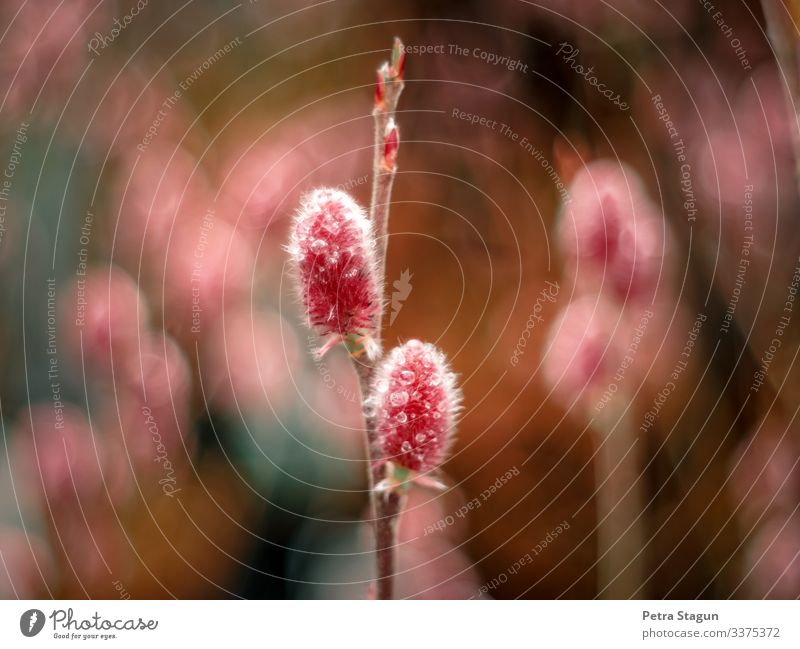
x=380, y=91
x=391, y=142
x=332, y=250
x=417, y=402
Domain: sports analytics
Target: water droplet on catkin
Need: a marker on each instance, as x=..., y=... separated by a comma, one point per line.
x=399, y=398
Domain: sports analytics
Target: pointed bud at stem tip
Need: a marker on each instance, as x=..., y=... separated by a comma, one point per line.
x=390, y=79
x=417, y=401
x=391, y=143
x=333, y=255
x=398, y=59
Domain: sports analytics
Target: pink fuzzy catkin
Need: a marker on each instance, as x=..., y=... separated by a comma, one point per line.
x=333, y=252
x=416, y=401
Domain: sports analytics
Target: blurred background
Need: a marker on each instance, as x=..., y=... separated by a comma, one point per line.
x=166, y=430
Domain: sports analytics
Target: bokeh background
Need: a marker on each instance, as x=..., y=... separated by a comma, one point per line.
x=166, y=431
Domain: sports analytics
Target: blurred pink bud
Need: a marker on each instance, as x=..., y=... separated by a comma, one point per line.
x=157, y=191
x=416, y=401
x=772, y=560
x=726, y=161
x=102, y=316
x=68, y=468
x=610, y=233
x=159, y=376
x=248, y=361
x=117, y=460
x=765, y=472
x=61, y=458
x=210, y=267
x=259, y=178
x=751, y=152
x=122, y=105
x=582, y=352
x=638, y=266
x=152, y=410
x=333, y=252
x=44, y=51
x=26, y=566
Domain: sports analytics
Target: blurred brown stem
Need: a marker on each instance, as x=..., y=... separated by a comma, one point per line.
x=783, y=24
x=620, y=533
x=389, y=504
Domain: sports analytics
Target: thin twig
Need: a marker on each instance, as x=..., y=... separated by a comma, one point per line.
x=390, y=87
x=386, y=503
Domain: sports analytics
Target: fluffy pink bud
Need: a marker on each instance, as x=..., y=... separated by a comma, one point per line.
x=416, y=401
x=333, y=250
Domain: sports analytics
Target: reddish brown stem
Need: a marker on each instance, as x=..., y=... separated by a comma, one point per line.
x=383, y=175
x=386, y=503
x=385, y=541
